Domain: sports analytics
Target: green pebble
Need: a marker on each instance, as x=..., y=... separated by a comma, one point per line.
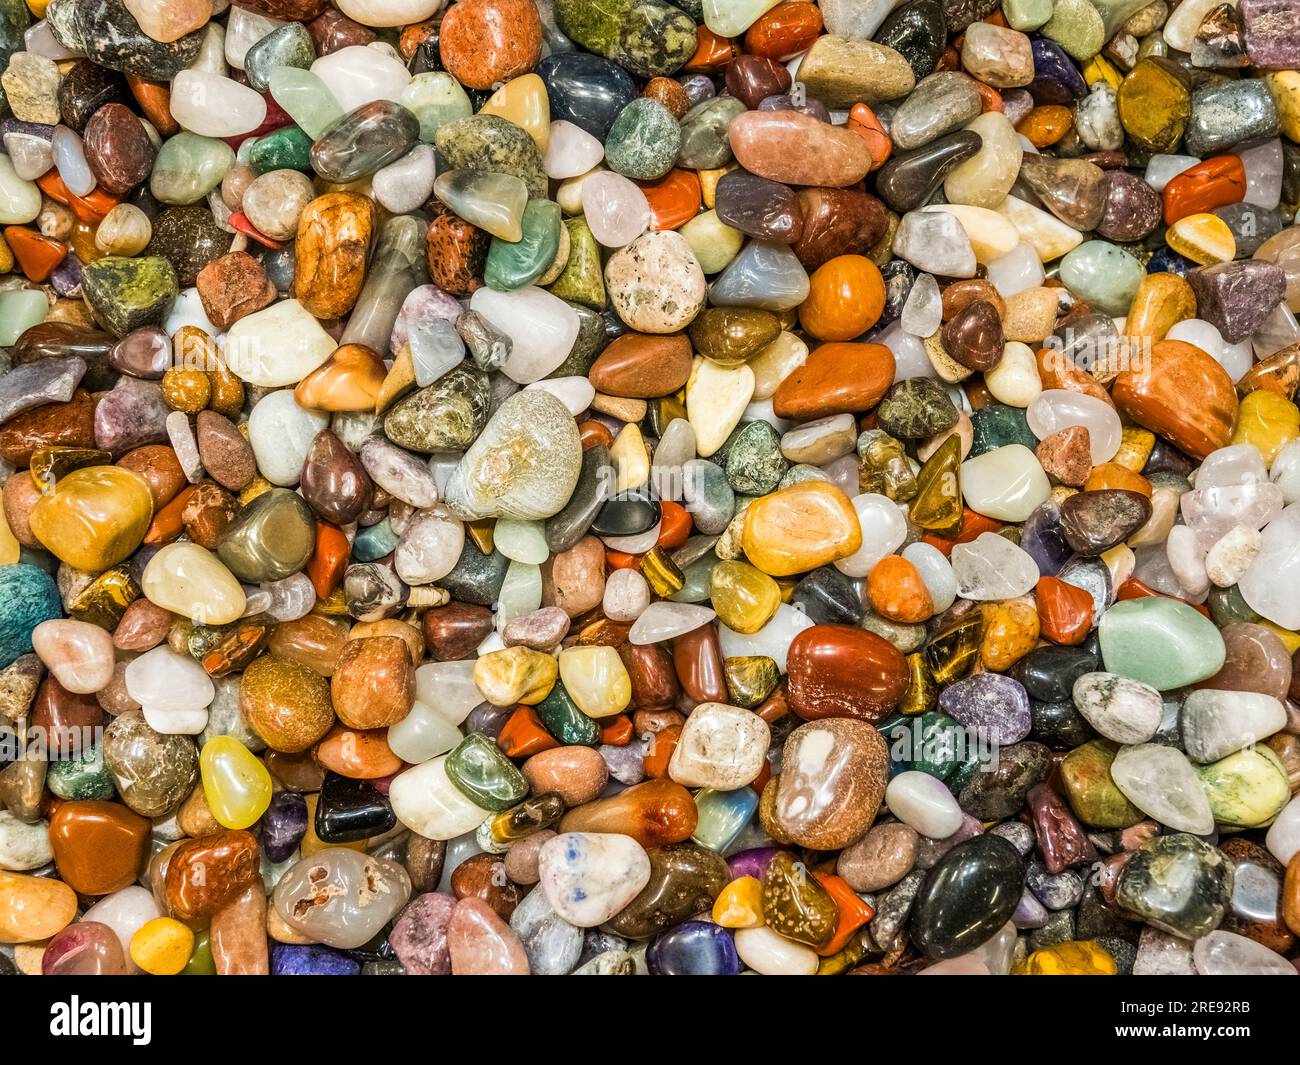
x=80, y=777
x=288, y=46
x=752, y=459
x=512, y=265
x=997, y=426
x=583, y=279
x=1077, y=27
x=487, y=142
x=125, y=294
x=643, y=142
x=1103, y=275
x=285, y=149
x=1247, y=789
x=484, y=775
x=561, y=717
x=1026, y=15
x=435, y=98
x=1161, y=642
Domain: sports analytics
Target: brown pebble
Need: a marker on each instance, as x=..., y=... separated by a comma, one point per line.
x=879, y=859
x=226, y=455
x=374, y=683
x=1066, y=455
x=577, y=773
x=233, y=287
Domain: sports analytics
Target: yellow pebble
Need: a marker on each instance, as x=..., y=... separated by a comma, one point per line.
x=1098, y=69
x=1204, y=238
x=1010, y=632
x=1285, y=86
x=1290, y=640
x=740, y=904
x=1134, y=448
x=162, y=947
x=709, y=186
x=1083, y=957
x=1268, y=420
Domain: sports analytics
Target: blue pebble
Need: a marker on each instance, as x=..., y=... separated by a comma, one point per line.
x=696, y=948
x=289, y=959
x=28, y=596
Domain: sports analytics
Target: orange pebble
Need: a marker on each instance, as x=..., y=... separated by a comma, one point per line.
x=523, y=735
x=1214, y=182
x=617, y=731
x=362, y=754
x=897, y=591
x=1064, y=611
x=1113, y=475
x=659, y=749
x=674, y=525
x=594, y=434
x=712, y=52
x=1046, y=125
x=845, y=298
x=990, y=98
x=167, y=524
x=785, y=31
x=621, y=560
x=863, y=122
x=329, y=559
x=37, y=256
x=674, y=199
x=1136, y=589
x=972, y=525
x=854, y=912
x=90, y=208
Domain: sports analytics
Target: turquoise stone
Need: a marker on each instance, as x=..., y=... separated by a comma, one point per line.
x=643, y=141
x=512, y=265
x=998, y=425
x=484, y=775
x=561, y=717
x=1161, y=642
x=28, y=596
x=723, y=816
x=285, y=149
x=374, y=541
x=1103, y=274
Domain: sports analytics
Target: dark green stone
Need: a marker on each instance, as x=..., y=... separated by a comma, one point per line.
x=80, y=777
x=561, y=717
x=512, y=265
x=285, y=149
x=997, y=426
x=916, y=408
x=593, y=338
x=476, y=578
x=583, y=279
x=967, y=897
x=1177, y=883
x=289, y=46
x=648, y=37
x=109, y=34
x=484, y=775
x=643, y=141
x=931, y=742
x=1000, y=792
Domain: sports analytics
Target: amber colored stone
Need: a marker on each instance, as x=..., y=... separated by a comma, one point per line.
x=329, y=559
x=208, y=513
x=70, y=424
x=961, y=294
x=845, y=298
x=670, y=93
x=838, y=222
x=65, y=719
x=800, y=528
x=1214, y=182
x=90, y=208
x=452, y=632
x=1161, y=302
x=1291, y=894
x=481, y=876
x=712, y=52
x=1011, y=631
x=374, y=683
x=313, y=641
x=1056, y=369
x=897, y=591
x=523, y=735
x=160, y=468
x=1064, y=611
x=1279, y=373
x=167, y=523
x=674, y=199
x=1045, y=125
x=1113, y=475
x=286, y=703
x=37, y=255
x=334, y=234
x=456, y=251
x=842, y=671
x=641, y=366
x=653, y=813
x=205, y=874
x=99, y=847
x=155, y=100
x=836, y=378
x=1155, y=395
x=853, y=912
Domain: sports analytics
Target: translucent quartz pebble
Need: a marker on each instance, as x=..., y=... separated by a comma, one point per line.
x=576, y=393
x=426, y=801
x=1237, y=464
x=588, y=877
x=1285, y=472
x=1271, y=586
x=1020, y=269
x=1057, y=409
x=925, y=803
x=664, y=621
x=934, y=241
x=991, y=567
x=571, y=151
x=341, y=898
x=429, y=547
x=357, y=74
x=493, y=202
x=1283, y=839
x=448, y=689
x=923, y=310
x=1264, y=167
x=771, y=641
x=213, y=106
x=542, y=329
x=615, y=208
x=1228, y=954
x=29, y=155
x=306, y=99
x=1161, y=782
x=1162, y=169
x=1212, y=513
x=405, y=185
x=285, y=600
x=281, y=433
x=884, y=528
x=70, y=158
x=936, y=572
x=1007, y=483
x=1217, y=723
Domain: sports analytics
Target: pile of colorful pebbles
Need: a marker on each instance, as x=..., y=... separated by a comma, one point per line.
x=545, y=486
